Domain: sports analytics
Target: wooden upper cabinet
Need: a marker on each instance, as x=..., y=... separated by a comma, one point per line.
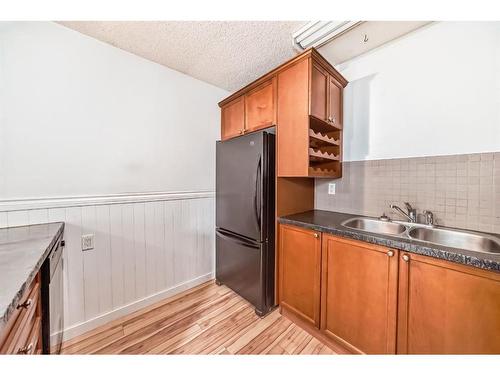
x=233, y=118
x=446, y=308
x=310, y=119
x=260, y=106
x=359, y=295
x=300, y=272
x=293, y=117
x=325, y=96
x=319, y=92
x=303, y=98
x=335, y=102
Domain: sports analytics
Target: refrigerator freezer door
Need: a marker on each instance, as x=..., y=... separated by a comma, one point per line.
x=239, y=185
x=240, y=266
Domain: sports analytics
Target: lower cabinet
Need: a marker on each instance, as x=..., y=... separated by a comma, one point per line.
x=22, y=332
x=375, y=300
x=447, y=308
x=300, y=272
x=359, y=295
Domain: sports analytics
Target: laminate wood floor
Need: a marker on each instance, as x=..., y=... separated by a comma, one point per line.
x=208, y=319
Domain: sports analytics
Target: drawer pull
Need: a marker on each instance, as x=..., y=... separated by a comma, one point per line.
x=26, y=350
x=26, y=304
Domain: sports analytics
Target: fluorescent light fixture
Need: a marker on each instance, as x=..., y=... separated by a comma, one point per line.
x=318, y=33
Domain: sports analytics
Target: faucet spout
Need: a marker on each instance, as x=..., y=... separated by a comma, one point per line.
x=411, y=217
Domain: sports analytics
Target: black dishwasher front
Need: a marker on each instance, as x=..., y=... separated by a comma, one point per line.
x=52, y=300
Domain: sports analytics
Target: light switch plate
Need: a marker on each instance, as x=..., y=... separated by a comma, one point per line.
x=87, y=242
x=331, y=189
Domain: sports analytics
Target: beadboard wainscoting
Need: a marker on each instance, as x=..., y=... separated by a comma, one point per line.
x=147, y=247
x=462, y=191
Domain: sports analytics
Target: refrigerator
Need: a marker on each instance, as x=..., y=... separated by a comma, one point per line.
x=245, y=185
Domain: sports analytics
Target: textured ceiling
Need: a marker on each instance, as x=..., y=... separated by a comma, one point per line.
x=226, y=54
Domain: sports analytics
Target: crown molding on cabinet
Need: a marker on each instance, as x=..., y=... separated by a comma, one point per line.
x=93, y=200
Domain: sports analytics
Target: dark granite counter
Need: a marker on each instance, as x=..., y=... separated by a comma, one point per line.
x=22, y=252
x=330, y=222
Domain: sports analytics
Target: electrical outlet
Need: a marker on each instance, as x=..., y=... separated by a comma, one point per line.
x=87, y=242
x=331, y=189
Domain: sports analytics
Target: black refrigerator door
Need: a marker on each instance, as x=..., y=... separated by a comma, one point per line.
x=243, y=265
x=239, y=185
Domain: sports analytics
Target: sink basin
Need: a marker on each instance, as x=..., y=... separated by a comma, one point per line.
x=375, y=226
x=457, y=239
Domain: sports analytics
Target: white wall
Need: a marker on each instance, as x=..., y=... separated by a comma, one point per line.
x=79, y=117
x=434, y=92
x=144, y=251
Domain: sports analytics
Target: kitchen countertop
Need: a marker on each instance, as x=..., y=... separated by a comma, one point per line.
x=22, y=252
x=330, y=222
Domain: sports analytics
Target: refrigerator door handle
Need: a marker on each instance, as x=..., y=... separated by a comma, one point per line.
x=257, y=197
x=236, y=239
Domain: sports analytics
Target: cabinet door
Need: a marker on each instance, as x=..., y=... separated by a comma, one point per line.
x=260, y=106
x=319, y=92
x=233, y=117
x=335, y=102
x=300, y=272
x=359, y=295
x=446, y=308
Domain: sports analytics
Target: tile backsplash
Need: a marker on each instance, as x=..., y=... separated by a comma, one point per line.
x=462, y=191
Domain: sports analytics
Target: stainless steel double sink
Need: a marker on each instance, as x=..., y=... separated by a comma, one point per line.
x=455, y=238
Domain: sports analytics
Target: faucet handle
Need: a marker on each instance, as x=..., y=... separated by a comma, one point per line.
x=408, y=206
x=429, y=217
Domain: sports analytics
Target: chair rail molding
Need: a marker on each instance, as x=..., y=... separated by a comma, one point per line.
x=23, y=204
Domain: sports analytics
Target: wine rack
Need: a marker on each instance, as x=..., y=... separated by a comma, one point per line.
x=325, y=147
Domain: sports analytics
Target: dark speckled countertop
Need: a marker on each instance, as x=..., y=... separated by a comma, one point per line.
x=330, y=222
x=22, y=252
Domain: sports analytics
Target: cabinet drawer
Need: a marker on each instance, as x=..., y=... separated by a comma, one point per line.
x=20, y=326
x=32, y=344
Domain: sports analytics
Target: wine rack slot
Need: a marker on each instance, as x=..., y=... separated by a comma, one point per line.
x=319, y=155
x=321, y=172
x=322, y=126
x=323, y=139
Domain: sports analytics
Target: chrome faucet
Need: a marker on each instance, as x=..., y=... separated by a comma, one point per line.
x=411, y=215
x=429, y=217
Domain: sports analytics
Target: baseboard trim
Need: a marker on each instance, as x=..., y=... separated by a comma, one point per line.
x=83, y=327
x=337, y=347
x=95, y=200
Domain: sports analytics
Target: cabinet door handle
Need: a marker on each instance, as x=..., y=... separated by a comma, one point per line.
x=333, y=119
x=390, y=253
x=406, y=258
x=26, y=304
x=316, y=235
x=26, y=350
